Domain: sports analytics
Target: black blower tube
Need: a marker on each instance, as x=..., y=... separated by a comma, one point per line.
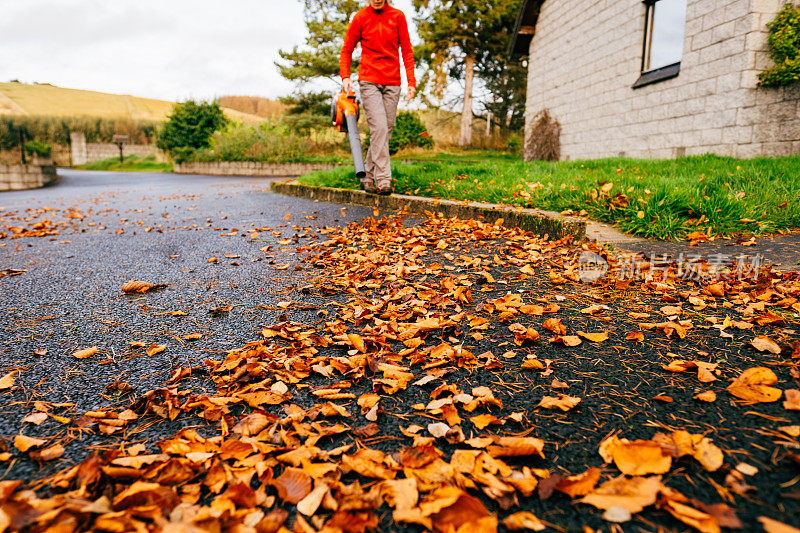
x=355, y=146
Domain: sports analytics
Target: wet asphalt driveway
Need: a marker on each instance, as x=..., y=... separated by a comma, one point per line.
x=159, y=228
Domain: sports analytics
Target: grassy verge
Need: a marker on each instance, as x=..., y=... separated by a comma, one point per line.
x=131, y=163
x=661, y=199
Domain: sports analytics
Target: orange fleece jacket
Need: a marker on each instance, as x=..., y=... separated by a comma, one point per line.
x=381, y=32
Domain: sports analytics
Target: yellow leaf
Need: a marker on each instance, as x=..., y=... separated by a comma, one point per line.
x=156, y=348
x=86, y=352
x=7, y=381
x=753, y=385
x=594, y=337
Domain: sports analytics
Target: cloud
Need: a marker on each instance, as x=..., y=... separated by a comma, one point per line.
x=169, y=49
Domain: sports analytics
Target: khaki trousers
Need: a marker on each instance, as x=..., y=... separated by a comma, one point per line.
x=380, y=107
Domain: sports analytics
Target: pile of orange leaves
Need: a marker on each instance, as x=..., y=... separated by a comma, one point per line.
x=298, y=441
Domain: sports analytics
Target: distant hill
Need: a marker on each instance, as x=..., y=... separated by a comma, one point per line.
x=253, y=105
x=49, y=100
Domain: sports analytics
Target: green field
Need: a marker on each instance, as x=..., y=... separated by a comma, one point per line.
x=661, y=199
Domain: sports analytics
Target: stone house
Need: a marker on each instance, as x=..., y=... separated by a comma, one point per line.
x=657, y=79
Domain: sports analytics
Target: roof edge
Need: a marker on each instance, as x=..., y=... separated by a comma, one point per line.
x=527, y=16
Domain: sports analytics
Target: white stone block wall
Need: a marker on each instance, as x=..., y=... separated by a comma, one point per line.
x=250, y=168
x=83, y=152
x=21, y=177
x=586, y=56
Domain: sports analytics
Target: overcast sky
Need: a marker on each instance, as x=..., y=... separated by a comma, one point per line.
x=166, y=49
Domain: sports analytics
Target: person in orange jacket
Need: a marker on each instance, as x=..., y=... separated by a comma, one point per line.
x=382, y=30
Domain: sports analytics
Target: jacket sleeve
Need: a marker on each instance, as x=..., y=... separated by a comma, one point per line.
x=351, y=39
x=408, y=51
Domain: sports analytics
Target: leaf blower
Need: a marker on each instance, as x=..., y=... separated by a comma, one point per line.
x=344, y=115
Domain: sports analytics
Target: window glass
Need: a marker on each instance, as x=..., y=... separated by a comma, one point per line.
x=666, y=38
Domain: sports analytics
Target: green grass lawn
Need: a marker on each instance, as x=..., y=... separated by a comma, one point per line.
x=131, y=163
x=661, y=199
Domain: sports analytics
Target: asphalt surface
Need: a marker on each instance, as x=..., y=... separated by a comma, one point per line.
x=159, y=228
x=164, y=228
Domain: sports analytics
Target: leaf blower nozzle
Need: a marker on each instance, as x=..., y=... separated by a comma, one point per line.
x=344, y=115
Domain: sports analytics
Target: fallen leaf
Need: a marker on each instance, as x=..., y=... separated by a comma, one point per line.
x=156, y=348
x=523, y=520
x=86, y=352
x=753, y=385
x=580, y=484
x=135, y=286
x=7, y=381
x=438, y=429
x=632, y=494
x=293, y=485
x=792, y=401
x=765, y=344
x=773, y=526
x=640, y=457
x=35, y=418
x=48, y=454
x=699, y=520
x=563, y=402
x=706, y=396
x=309, y=505
x=24, y=443
x=594, y=337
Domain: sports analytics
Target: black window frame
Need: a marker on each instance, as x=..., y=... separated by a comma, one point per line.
x=650, y=76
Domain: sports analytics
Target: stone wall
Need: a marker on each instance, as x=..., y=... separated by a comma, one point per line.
x=83, y=152
x=582, y=68
x=20, y=177
x=248, y=168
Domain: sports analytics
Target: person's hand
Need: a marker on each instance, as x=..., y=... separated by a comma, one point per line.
x=412, y=91
x=347, y=85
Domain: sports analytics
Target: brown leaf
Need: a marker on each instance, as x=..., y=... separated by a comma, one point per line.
x=156, y=348
x=706, y=396
x=24, y=443
x=579, y=484
x=703, y=522
x=765, y=344
x=309, y=505
x=48, y=454
x=515, y=446
x=357, y=342
x=568, y=340
x=640, y=457
x=563, y=402
x=400, y=493
x=135, y=286
x=523, y=520
x=753, y=385
x=450, y=508
x=481, y=421
x=792, y=401
x=773, y=526
x=35, y=418
x=141, y=493
x=293, y=485
x=680, y=443
x=633, y=494
x=594, y=337
x=555, y=325
x=369, y=463
x=7, y=381
x=86, y=352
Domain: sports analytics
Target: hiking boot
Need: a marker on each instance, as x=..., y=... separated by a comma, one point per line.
x=369, y=187
x=385, y=190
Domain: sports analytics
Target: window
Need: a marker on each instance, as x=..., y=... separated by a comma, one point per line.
x=664, y=28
